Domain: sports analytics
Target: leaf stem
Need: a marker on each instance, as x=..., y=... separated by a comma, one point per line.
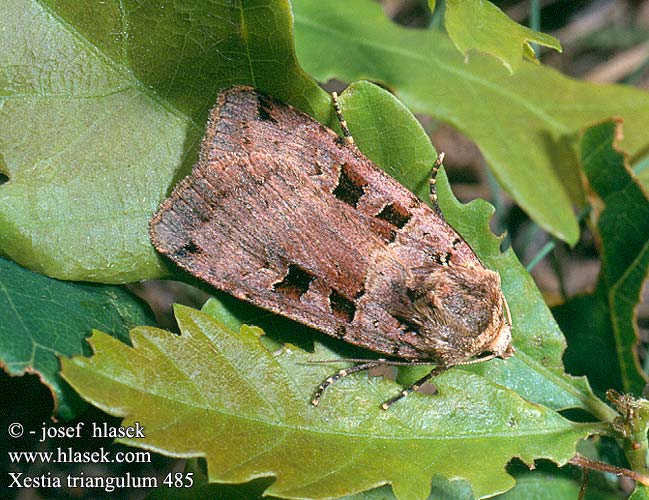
x=535, y=21
x=499, y=205
x=556, y=264
x=549, y=246
x=437, y=17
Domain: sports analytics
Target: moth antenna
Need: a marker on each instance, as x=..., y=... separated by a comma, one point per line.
x=343, y=124
x=337, y=376
x=433, y=182
x=414, y=387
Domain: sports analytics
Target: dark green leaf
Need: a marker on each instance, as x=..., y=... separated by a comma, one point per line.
x=43, y=318
x=604, y=321
x=543, y=486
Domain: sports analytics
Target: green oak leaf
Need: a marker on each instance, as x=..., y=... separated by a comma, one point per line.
x=116, y=96
x=539, y=485
x=478, y=25
x=389, y=135
x=605, y=319
x=523, y=123
x=212, y=392
x=103, y=108
x=441, y=489
x=203, y=489
x=43, y=318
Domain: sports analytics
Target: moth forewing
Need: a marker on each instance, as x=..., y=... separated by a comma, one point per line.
x=282, y=212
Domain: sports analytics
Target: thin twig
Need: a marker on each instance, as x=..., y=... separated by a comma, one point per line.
x=556, y=264
x=587, y=463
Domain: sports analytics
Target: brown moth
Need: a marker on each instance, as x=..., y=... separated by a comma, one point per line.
x=282, y=212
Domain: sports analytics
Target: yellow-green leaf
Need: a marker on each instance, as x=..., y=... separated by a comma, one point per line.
x=216, y=393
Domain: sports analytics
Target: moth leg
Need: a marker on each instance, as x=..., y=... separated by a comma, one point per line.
x=340, y=374
x=433, y=182
x=343, y=124
x=414, y=387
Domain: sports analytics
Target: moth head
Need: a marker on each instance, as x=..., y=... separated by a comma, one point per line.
x=462, y=312
x=499, y=333
x=495, y=337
